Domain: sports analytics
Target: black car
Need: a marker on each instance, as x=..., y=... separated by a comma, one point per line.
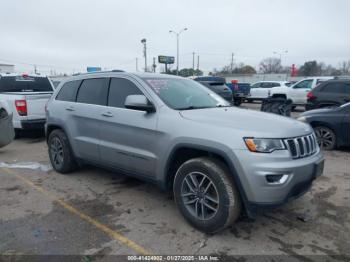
x=331, y=125
x=333, y=92
x=217, y=85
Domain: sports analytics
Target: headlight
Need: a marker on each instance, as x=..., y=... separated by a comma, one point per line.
x=302, y=119
x=264, y=145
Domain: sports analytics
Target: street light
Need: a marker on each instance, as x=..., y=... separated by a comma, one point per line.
x=177, y=47
x=280, y=54
x=143, y=41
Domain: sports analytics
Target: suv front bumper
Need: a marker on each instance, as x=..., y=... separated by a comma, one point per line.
x=254, y=168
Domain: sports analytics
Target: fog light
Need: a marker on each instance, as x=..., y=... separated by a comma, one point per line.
x=276, y=179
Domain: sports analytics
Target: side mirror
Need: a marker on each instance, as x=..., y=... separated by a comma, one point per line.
x=139, y=102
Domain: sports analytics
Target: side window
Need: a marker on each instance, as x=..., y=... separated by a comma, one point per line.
x=93, y=91
x=119, y=89
x=68, y=91
x=275, y=84
x=266, y=85
x=256, y=85
x=334, y=88
x=304, y=84
x=347, y=88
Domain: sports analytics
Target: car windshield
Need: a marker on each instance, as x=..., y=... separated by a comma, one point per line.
x=25, y=84
x=184, y=94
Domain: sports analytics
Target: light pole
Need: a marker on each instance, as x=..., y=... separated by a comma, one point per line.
x=177, y=47
x=280, y=54
x=143, y=41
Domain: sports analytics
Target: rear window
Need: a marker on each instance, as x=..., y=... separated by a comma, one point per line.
x=334, y=88
x=25, y=84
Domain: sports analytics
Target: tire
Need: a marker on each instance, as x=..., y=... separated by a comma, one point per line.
x=224, y=198
x=293, y=108
x=60, y=152
x=237, y=101
x=18, y=133
x=250, y=100
x=326, y=137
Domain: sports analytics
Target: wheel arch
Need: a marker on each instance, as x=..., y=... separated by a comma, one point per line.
x=183, y=152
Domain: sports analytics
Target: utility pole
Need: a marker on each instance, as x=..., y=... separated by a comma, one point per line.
x=154, y=65
x=232, y=63
x=143, y=41
x=35, y=70
x=137, y=65
x=198, y=62
x=193, y=62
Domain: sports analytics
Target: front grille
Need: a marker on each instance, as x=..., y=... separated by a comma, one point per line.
x=302, y=146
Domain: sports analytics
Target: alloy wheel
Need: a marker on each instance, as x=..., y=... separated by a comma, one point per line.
x=56, y=150
x=325, y=138
x=200, y=195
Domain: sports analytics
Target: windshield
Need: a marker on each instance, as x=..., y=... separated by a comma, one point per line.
x=182, y=94
x=24, y=84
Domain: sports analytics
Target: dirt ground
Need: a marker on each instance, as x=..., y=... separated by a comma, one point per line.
x=93, y=211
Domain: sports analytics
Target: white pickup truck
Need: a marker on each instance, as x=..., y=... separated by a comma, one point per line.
x=25, y=96
x=298, y=92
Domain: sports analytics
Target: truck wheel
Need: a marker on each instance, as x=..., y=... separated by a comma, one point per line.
x=206, y=194
x=60, y=152
x=237, y=101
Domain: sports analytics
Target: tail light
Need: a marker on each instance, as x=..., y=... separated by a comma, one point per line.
x=310, y=95
x=21, y=107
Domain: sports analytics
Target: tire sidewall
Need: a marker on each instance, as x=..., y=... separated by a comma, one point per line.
x=221, y=217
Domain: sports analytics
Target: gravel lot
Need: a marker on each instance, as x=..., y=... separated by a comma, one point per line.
x=94, y=211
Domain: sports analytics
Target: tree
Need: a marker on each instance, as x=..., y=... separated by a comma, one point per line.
x=270, y=65
x=186, y=72
x=345, y=67
x=310, y=68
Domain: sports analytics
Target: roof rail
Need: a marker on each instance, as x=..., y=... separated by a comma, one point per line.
x=100, y=72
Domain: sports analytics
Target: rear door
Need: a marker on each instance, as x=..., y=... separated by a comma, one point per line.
x=300, y=90
x=255, y=90
x=332, y=93
x=87, y=117
x=128, y=137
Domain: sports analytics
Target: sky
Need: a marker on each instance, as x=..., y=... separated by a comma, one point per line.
x=69, y=35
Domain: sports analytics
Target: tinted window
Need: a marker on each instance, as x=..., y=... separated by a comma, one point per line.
x=93, y=91
x=25, y=84
x=68, y=91
x=274, y=84
x=334, y=88
x=304, y=84
x=119, y=89
x=257, y=85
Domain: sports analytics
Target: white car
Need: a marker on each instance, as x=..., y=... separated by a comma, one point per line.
x=24, y=97
x=297, y=92
x=262, y=89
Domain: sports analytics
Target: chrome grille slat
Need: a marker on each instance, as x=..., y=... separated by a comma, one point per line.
x=302, y=146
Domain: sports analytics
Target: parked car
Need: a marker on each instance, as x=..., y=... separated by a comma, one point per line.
x=6, y=128
x=174, y=132
x=217, y=85
x=297, y=92
x=25, y=96
x=240, y=91
x=331, y=125
x=330, y=93
x=262, y=89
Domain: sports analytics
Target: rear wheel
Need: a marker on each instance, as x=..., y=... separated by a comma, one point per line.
x=60, y=152
x=326, y=137
x=237, y=101
x=206, y=194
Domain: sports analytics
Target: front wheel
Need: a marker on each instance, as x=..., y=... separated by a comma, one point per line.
x=326, y=137
x=206, y=195
x=60, y=152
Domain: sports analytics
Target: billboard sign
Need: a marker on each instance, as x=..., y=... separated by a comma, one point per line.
x=162, y=59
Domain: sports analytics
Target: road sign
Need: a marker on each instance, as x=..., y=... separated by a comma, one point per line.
x=162, y=59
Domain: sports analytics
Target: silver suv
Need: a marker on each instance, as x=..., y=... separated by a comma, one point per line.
x=219, y=160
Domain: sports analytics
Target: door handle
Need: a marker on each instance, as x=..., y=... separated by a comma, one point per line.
x=107, y=114
x=70, y=108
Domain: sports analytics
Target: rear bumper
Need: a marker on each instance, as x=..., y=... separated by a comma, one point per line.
x=33, y=124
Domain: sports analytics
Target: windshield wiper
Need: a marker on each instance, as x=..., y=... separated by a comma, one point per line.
x=193, y=107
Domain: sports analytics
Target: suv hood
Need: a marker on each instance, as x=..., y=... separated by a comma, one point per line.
x=320, y=111
x=252, y=123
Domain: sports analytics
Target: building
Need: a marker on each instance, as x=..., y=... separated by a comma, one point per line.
x=6, y=68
